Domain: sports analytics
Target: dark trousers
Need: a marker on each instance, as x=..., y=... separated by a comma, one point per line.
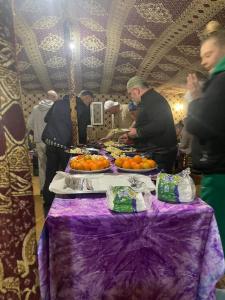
x=57, y=160
x=165, y=161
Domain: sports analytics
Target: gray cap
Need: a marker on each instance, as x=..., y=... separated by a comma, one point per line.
x=135, y=81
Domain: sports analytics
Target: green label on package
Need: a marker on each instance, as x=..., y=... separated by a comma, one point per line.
x=124, y=199
x=167, y=187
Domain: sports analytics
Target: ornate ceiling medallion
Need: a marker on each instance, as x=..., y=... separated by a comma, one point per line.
x=159, y=76
x=133, y=44
x=189, y=50
x=130, y=54
x=152, y=12
x=177, y=60
x=31, y=86
x=91, y=75
x=91, y=85
x=93, y=7
x=126, y=68
x=168, y=67
x=59, y=75
x=141, y=32
x=56, y=62
x=52, y=43
x=92, y=43
x=92, y=62
x=91, y=24
x=119, y=87
x=45, y=22
x=28, y=77
x=23, y=65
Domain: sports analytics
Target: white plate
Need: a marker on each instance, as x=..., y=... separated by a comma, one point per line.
x=136, y=170
x=88, y=172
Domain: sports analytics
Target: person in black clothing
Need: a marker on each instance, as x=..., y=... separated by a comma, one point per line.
x=58, y=134
x=206, y=122
x=154, y=131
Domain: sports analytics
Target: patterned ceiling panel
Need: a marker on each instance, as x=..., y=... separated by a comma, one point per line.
x=111, y=41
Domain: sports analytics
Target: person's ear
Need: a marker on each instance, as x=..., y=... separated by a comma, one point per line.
x=139, y=92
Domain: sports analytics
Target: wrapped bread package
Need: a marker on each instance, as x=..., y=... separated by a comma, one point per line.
x=178, y=188
x=125, y=199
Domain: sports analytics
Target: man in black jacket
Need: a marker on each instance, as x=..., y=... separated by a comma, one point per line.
x=154, y=131
x=58, y=134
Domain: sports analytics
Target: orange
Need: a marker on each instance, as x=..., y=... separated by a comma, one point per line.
x=145, y=165
x=134, y=165
x=80, y=157
x=101, y=165
x=98, y=165
x=75, y=165
x=126, y=164
x=137, y=158
x=78, y=166
x=119, y=162
x=153, y=163
x=89, y=162
x=71, y=163
x=106, y=163
x=85, y=166
x=94, y=166
x=144, y=159
x=82, y=165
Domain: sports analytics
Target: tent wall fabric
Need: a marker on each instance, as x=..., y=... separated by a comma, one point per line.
x=18, y=267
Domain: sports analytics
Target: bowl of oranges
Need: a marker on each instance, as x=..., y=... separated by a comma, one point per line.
x=89, y=164
x=135, y=164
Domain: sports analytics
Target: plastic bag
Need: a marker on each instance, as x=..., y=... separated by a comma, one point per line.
x=178, y=188
x=125, y=199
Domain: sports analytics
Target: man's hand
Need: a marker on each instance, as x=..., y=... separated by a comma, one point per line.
x=104, y=139
x=123, y=139
x=132, y=133
x=193, y=85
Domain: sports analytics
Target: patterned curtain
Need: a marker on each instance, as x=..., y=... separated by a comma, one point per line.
x=18, y=268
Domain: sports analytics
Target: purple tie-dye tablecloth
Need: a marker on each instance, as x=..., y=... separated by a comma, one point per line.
x=171, y=252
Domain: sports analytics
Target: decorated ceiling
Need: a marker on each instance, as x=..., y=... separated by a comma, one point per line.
x=112, y=41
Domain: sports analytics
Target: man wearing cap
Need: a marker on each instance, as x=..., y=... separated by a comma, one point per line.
x=58, y=135
x=154, y=131
x=122, y=118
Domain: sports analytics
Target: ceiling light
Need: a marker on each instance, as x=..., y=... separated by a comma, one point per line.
x=72, y=45
x=178, y=107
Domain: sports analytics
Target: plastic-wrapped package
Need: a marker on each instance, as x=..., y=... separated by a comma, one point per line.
x=178, y=188
x=125, y=199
